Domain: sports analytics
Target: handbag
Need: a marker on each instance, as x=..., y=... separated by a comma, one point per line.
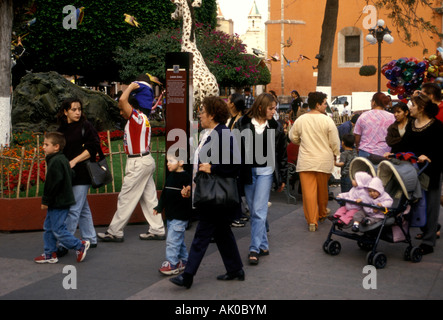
x=99, y=171
x=214, y=190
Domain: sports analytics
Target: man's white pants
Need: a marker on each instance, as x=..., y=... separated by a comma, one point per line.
x=138, y=186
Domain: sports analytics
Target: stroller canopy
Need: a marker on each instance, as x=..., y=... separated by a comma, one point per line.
x=362, y=164
x=400, y=177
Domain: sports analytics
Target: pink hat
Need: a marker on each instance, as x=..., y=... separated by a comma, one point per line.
x=362, y=178
x=377, y=185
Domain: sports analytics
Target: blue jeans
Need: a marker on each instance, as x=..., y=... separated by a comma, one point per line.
x=175, y=241
x=345, y=183
x=80, y=215
x=257, y=195
x=55, y=230
x=364, y=154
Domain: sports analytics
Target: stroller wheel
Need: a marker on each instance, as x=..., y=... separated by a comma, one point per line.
x=416, y=254
x=334, y=248
x=377, y=259
x=325, y=245
x=407, y=253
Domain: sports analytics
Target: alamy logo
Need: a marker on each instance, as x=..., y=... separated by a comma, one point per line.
x=70, y=281
x=70, y=21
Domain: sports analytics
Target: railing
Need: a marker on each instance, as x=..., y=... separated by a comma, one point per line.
x=22, y=175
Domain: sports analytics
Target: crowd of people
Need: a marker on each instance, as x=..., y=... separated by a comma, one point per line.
x=322, y=146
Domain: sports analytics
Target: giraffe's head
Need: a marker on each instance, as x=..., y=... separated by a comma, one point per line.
x=184, y=5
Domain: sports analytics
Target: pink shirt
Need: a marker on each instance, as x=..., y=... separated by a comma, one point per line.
x=372, y=126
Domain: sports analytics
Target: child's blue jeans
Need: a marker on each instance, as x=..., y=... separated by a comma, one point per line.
x=175, y=241
x=55, y=230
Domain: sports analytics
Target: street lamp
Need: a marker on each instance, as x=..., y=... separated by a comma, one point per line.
x=378, y=34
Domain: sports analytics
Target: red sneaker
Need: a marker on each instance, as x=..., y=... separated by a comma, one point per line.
x=47, y=258
x=81, y=253
x=169, y=269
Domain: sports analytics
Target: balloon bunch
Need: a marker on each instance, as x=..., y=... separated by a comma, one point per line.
x=405, y=75
x=435, y=68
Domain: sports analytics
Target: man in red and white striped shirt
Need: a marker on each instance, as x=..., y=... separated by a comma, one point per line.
x=138, y=184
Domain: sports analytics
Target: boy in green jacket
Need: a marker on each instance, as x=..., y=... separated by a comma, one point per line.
x=57, y=198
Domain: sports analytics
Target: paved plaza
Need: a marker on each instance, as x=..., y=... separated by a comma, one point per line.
x=296, y=269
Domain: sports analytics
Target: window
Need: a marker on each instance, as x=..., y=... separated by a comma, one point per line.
x=350, y=48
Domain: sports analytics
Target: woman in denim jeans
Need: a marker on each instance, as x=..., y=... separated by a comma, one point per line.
x=263, y=144
x=82, y=143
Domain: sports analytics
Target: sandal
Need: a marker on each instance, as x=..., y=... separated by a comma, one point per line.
x=263, y=253
x=253, y=258
x=419, y=236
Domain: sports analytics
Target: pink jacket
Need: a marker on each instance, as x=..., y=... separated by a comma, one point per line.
x=384, y=199
x=359, y=192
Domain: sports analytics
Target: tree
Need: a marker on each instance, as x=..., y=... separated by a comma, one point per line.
x=7, y=9
x=225, y=56
x=329, y=28
x=88, y=49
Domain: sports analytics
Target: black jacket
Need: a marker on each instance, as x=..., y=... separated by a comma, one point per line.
x=249, y=154
x=57, y=192
x=80, y=136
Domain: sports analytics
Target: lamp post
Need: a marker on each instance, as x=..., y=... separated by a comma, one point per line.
x=378, y=34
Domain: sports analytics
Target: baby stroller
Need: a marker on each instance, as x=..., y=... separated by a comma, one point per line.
x=401, y=180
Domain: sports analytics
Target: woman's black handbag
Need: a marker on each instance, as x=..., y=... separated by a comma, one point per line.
x=99, y=171
x=214, y=190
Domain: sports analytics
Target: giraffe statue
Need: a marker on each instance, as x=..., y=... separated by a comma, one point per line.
x=204, y=82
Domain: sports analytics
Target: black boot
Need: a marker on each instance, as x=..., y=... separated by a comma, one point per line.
x=183, y=280
x=240, y=275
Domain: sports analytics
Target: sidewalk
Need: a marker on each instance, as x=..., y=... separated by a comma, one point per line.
x=296, y=269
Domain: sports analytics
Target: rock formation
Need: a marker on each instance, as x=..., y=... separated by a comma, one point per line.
x=38, y=97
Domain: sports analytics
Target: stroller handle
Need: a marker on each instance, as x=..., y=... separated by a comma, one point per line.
x=400, y=156
x=385, y=210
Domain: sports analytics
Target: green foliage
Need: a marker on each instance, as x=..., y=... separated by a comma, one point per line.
x=89, y=49
x=225, y=56
x=367, y=71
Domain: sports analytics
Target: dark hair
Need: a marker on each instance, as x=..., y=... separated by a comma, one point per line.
x=402, y=106
x=315, y=98
x=355, y=118
x=56, y=138
x=432, y=88
x=296, y=92
x=258, y=109
x=381, y=100
x=133, y=102
x=425, y=103
x=217, y=108
x=348, y=140
x=66, y=105
x=239, y=101
x=305, y=105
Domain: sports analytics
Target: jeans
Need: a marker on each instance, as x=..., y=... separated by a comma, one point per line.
x=175, y=241
x=257, y=195
x=345, y=183
x=80, y=215
x=364, y=154
x=55, y=230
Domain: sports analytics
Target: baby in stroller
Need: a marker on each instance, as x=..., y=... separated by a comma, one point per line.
x=359, y=191
x=377, y=197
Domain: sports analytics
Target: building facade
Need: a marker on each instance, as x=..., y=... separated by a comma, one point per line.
x=301, y=21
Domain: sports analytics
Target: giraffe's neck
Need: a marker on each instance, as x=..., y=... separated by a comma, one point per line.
x=188, y=30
